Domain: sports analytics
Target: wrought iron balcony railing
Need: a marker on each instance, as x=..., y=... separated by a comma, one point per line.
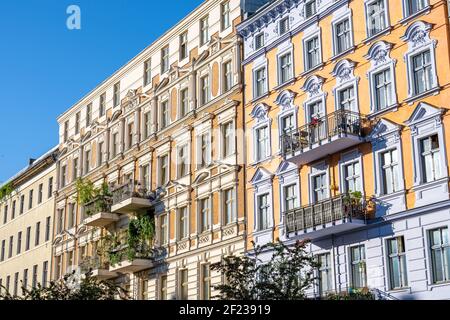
x=131, y=189
x=342, y=207
x=93, y=263
x=98, y=205
x=338, y=123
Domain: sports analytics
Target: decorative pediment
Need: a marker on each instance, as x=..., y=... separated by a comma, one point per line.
x=201, y=177
x=261, y=175
x=382, y=128
x=115, y=115
x=86, y=136
x=343, y=71
x=162, y=84
x=285, y=167
x=201, y=58
x=260, y=112
x=313, y=86
x=417, y=34
x=286, y=100
x=424, y=112
x=379, y=53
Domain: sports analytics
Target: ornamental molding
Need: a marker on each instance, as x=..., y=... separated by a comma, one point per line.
x=260, y=112
x=313, y=86
x=286, y=100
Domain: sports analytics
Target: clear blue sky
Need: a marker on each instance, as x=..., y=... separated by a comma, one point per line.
x=45, y=68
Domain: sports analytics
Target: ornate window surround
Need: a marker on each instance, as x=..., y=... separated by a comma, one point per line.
x=347, y=158
x=283, y=49
x=285, y=101
x=313, y=89
x=260, y=114
x=386, y=16
x=340, y=15
x=345, y=78
x=318, y=169
x=310, y=33
x=259, y=64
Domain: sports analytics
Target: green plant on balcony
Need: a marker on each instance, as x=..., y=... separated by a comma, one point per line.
x=6, y=190
x=352, y=294
x=353, y=198
x=94, y=199
x=141, y=232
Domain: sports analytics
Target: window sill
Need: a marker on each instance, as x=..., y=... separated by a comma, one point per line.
x=378, y=113
x=422, y=95
x=256, y=163
x=407, y=19
x=284, y=84
x=432, y=286
x=312, y=70
x=437, y=182
x=377, y=35
x=343, y=53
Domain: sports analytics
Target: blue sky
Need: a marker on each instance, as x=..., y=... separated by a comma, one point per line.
x=45, y=67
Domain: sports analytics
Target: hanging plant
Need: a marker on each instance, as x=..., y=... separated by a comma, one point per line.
x=141, y=232
x=6, y=190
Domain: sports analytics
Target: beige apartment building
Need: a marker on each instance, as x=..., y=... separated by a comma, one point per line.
x=163, y=135
x=27, y=206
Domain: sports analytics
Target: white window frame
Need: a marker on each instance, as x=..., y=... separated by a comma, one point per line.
x=178, y=224
x=223, y=205
x=255, y=81
x=260, y=114
x=159, y=162
x=186, y=156
x=407, y=14
x=199, y=215
x=283, y=53
x=386, y=17
x=316, y=170
x=315, y=34
x=161, y=117
x=341, y=18
x=285, y=102
x=349, y=158
x=345, y=79
x=313, y=89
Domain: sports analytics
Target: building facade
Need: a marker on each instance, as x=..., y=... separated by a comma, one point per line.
x=347, y=126
x=164, y=136
x=26, y=228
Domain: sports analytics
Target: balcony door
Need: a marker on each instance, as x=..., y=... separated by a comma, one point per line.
x=320, y=187
x=317, y=125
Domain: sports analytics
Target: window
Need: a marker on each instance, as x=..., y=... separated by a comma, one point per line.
x=66, y=131
x=70, y=259
x=143, y=289
x=206, y=282
x=390, y=171
x=352, y=177
x=8, y=278
x=164, y=230
x=147, y=72
x=5, y=214
x=163, y=288
x=285, y=68
x=40, y=188
x=422, y=72
x=325, y=273
x=72, y=216
x=262, y=143
x=414, y=6
x=383, y=89
x=183, y=223
x=13, y=210
x=165, y=115
x=227, y=76
x=342, y=36
x=183, y=284
x=184, y=102
x=30, y=199
x=310, y=8
x=75, y=169
x=101, y=150
x=35, y=275
x=88, y=114
x=225, y=13
x=358, y=267
x=204, y=90
x=183, y=46
x=376, y=17
x=44, y=274
x=50, y=187
x=259, y=41
x=430, y=158
x=204, y=150
x=102, y=105
x=312, y=53
x=229, y=206
x=77, y=123
x=320, y=188
x=63, y=175
x=290, y=197
x=16, y=283
x=287, y=123
x=397, y=263
x=183, y=166
x=87, y=161
x=22, y=204
x=116, y=95
x=204, y=215
x=346, y=99
x=47, y=229
x=25, y=278
x=11, y=245
x=58, y=267
x=440, y=254
x=60, y=224
x=164, y=59
x=263, y=212
x=204, y=31
x=260, y=82
x=284, y=26
x=130, y=131
x=145, y=181
x=228, y=139
x=163, y=163
x=19, y=243
x=2, y=255
x=115, y=144
x=37, y=235
x=28, y=239
x=147, y=125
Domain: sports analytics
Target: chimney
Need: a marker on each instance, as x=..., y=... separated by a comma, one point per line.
x=31, y=161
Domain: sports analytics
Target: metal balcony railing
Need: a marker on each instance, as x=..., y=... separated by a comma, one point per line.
x=341, y=122
x=93, y=263
x=324, y=212
x=131, y=189
x=98, y=205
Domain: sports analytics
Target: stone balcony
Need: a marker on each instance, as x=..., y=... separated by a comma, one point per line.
x=98, y=213
x=129, y=198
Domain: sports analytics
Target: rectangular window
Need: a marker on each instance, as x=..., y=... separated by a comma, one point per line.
x=440, y=254
x=163, y=288
x=44, y=274
x=88, y=114
x=164, y=235
x=165, y=114
x=260, y=82
x=101, y=151
x=183, y=223
x=310, y=8
x=263, y=212
x=60, y=225
x=102, y=105
x=63, y=175
x=72, y=216
x=259, y=41
x=352, y=177
x=320, y=187
x=184, y=102
x=204, y=150
x=204, y=90
x=358, y=267
x=383, y=89
x=37, y=235
x=40, y=192
x=287, y=123
x=312, y=53
x=390, y=171
x=16, y=284
x=2, y=255
x=75, y=169
x=397, y=263
x=346, y=99
x=431, y=160
x=11, y=245
x=35, y=275
x=184, y=284
x=116, y=94
x=28, y=239
x=205, y=223
x=147, y=124
x=285, y=65
x=22, y=204
x=262, y=143
x=204, y=30
x=66, y=131
x=342, y=36
x=5, y=214
x=206, y=282
x=414, y=6
x=25, y=278
x=115, y=144
x=165, y=59
x=163, y=163
x=183, y=165
x=47, y=228
x=183, y=45
x=228, y=139
x=87, y=161
x=50, y=187
x=19, y=243
x=130, y=138
x=376, y=15
x=147, y=72
x=290, y=197
x=58, y=267
x=143, y=289
x=30, y=199
x=284, y=26
x=145, y=181
x=13, y=210
x=77, y=123
x=225, y=14
x=227, y=76
x=422, y=72
x=325, y=273
x=229, y=206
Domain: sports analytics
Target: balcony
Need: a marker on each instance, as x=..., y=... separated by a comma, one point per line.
x=331, y=216
x=124, y=260
x=98, y=267
x=129, y=198
x=323, y=136
x=98, y=212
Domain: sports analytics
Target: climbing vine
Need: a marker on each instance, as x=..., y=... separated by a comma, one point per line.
x=141, y=232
